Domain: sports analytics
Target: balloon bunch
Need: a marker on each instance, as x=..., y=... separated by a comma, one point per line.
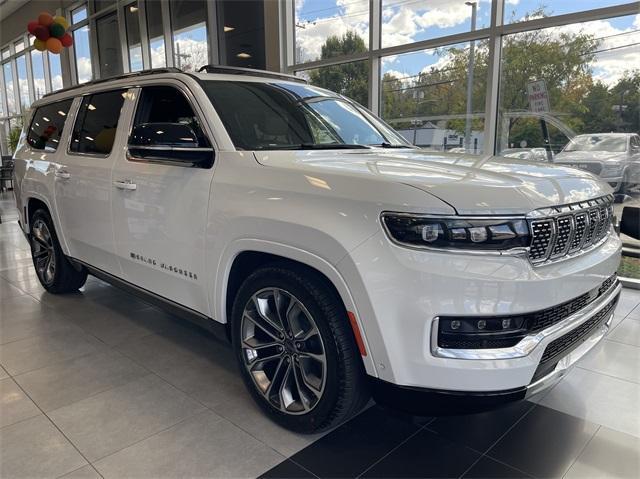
x=50, y=32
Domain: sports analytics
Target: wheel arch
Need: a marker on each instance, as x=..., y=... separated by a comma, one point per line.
x=32, y=204
x=244, y=256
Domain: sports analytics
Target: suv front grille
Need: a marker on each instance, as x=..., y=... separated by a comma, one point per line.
x=568, y=230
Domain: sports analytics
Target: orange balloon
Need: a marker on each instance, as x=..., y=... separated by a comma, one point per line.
x=45, y=19
x=54, y=45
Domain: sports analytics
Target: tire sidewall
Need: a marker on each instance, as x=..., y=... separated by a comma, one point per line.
x=46, y=218
x=334, y=372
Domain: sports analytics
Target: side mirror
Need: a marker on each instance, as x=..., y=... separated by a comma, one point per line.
x=630, y=222
x=168, y=143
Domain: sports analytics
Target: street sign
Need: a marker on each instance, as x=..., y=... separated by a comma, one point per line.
x=538, y=97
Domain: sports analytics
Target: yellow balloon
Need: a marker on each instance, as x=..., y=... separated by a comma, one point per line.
x=39, y=45
x=62, y=21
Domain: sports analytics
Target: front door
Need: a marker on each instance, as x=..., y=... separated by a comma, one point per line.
x=83, y=179
x=160, y=200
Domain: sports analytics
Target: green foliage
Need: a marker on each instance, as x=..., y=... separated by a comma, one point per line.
x=562, y=59
x=13, y=138
x=350, y=79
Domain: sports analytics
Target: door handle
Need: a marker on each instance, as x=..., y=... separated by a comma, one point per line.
x=63, y=174
x=125, y=185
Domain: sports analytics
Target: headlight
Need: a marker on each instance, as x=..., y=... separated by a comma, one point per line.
x=612, y=169
x=467, y=233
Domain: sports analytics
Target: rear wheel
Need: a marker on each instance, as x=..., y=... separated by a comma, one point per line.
x=296, y=350
x=53, y=268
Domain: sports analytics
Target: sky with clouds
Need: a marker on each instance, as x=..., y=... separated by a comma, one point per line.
x=406, y=21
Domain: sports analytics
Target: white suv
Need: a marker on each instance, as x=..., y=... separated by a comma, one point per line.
x=338, y=259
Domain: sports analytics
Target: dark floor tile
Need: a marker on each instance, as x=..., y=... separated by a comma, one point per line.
x=544, y=443
x=351, y=448
x=487, y=468
x=426, y=454
x=480, y=431
x=287, y=470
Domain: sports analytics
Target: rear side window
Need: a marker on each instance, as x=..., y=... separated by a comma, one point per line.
x=97, y=123
x=46, y=126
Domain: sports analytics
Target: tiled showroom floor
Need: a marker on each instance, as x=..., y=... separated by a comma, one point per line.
x=102, y=384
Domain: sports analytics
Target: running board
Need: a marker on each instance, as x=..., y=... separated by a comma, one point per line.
x=219, y=330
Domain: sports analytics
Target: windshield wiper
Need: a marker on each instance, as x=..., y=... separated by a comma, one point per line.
x=317, y=146
x=384, y=144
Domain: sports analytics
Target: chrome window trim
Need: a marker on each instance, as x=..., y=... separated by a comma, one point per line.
x=529, y=343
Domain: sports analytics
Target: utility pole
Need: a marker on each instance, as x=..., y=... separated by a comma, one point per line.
x=472, y=48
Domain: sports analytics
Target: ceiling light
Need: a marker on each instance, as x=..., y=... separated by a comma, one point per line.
x=91, y=107
x=61, y=113
x=133, y=9
x=243, y=55
x=228, y=29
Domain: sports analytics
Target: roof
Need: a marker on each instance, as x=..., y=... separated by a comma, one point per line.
x=224, y=72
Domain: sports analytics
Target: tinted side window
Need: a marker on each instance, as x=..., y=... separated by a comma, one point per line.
x=46, y=126
x=165, y=104
x=97, y=123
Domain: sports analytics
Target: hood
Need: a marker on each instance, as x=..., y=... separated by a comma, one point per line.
x=588, y=156
x=469, y=184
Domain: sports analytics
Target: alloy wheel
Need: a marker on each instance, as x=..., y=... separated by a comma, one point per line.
x=283, y=351
x=44, y=257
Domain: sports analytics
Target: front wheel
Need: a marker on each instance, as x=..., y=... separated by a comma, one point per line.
x=54, y=270
x=296, y=350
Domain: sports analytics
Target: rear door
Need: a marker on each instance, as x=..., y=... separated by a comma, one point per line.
x=83, y=179
x=160, y=199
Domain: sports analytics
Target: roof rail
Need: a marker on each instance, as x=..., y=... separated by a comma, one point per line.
x=118, y=77
x=249, y=72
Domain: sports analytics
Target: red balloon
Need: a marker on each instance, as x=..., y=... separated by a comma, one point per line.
x=41, y=32
x=66, y=40
x=31, y=27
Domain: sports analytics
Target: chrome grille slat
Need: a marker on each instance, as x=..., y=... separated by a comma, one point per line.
x=564, y=234
x=569, y=230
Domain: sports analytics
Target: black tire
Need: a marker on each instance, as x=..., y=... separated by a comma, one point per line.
x=63, y=277
x=345, y=387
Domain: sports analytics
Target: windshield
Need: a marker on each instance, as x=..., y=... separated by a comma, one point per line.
x=273, y=116
x=597, y=143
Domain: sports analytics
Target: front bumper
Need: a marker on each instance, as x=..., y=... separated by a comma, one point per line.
x=593, y=326
x=400, y=292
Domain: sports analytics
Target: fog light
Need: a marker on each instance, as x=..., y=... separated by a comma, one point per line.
x=482, y=324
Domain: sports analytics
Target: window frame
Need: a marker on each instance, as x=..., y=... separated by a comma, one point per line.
x=195, y=107
x=76, y=111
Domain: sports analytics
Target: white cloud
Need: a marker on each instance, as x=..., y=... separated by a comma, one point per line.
x=312, y=33
x=83, y=64
x=618, y=50
x=193, y=53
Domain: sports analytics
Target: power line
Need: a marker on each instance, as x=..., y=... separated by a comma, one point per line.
x=610, y=49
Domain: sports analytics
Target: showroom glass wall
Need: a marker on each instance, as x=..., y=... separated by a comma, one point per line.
x=516, y=78
x=115, y=37
x=433, y=68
